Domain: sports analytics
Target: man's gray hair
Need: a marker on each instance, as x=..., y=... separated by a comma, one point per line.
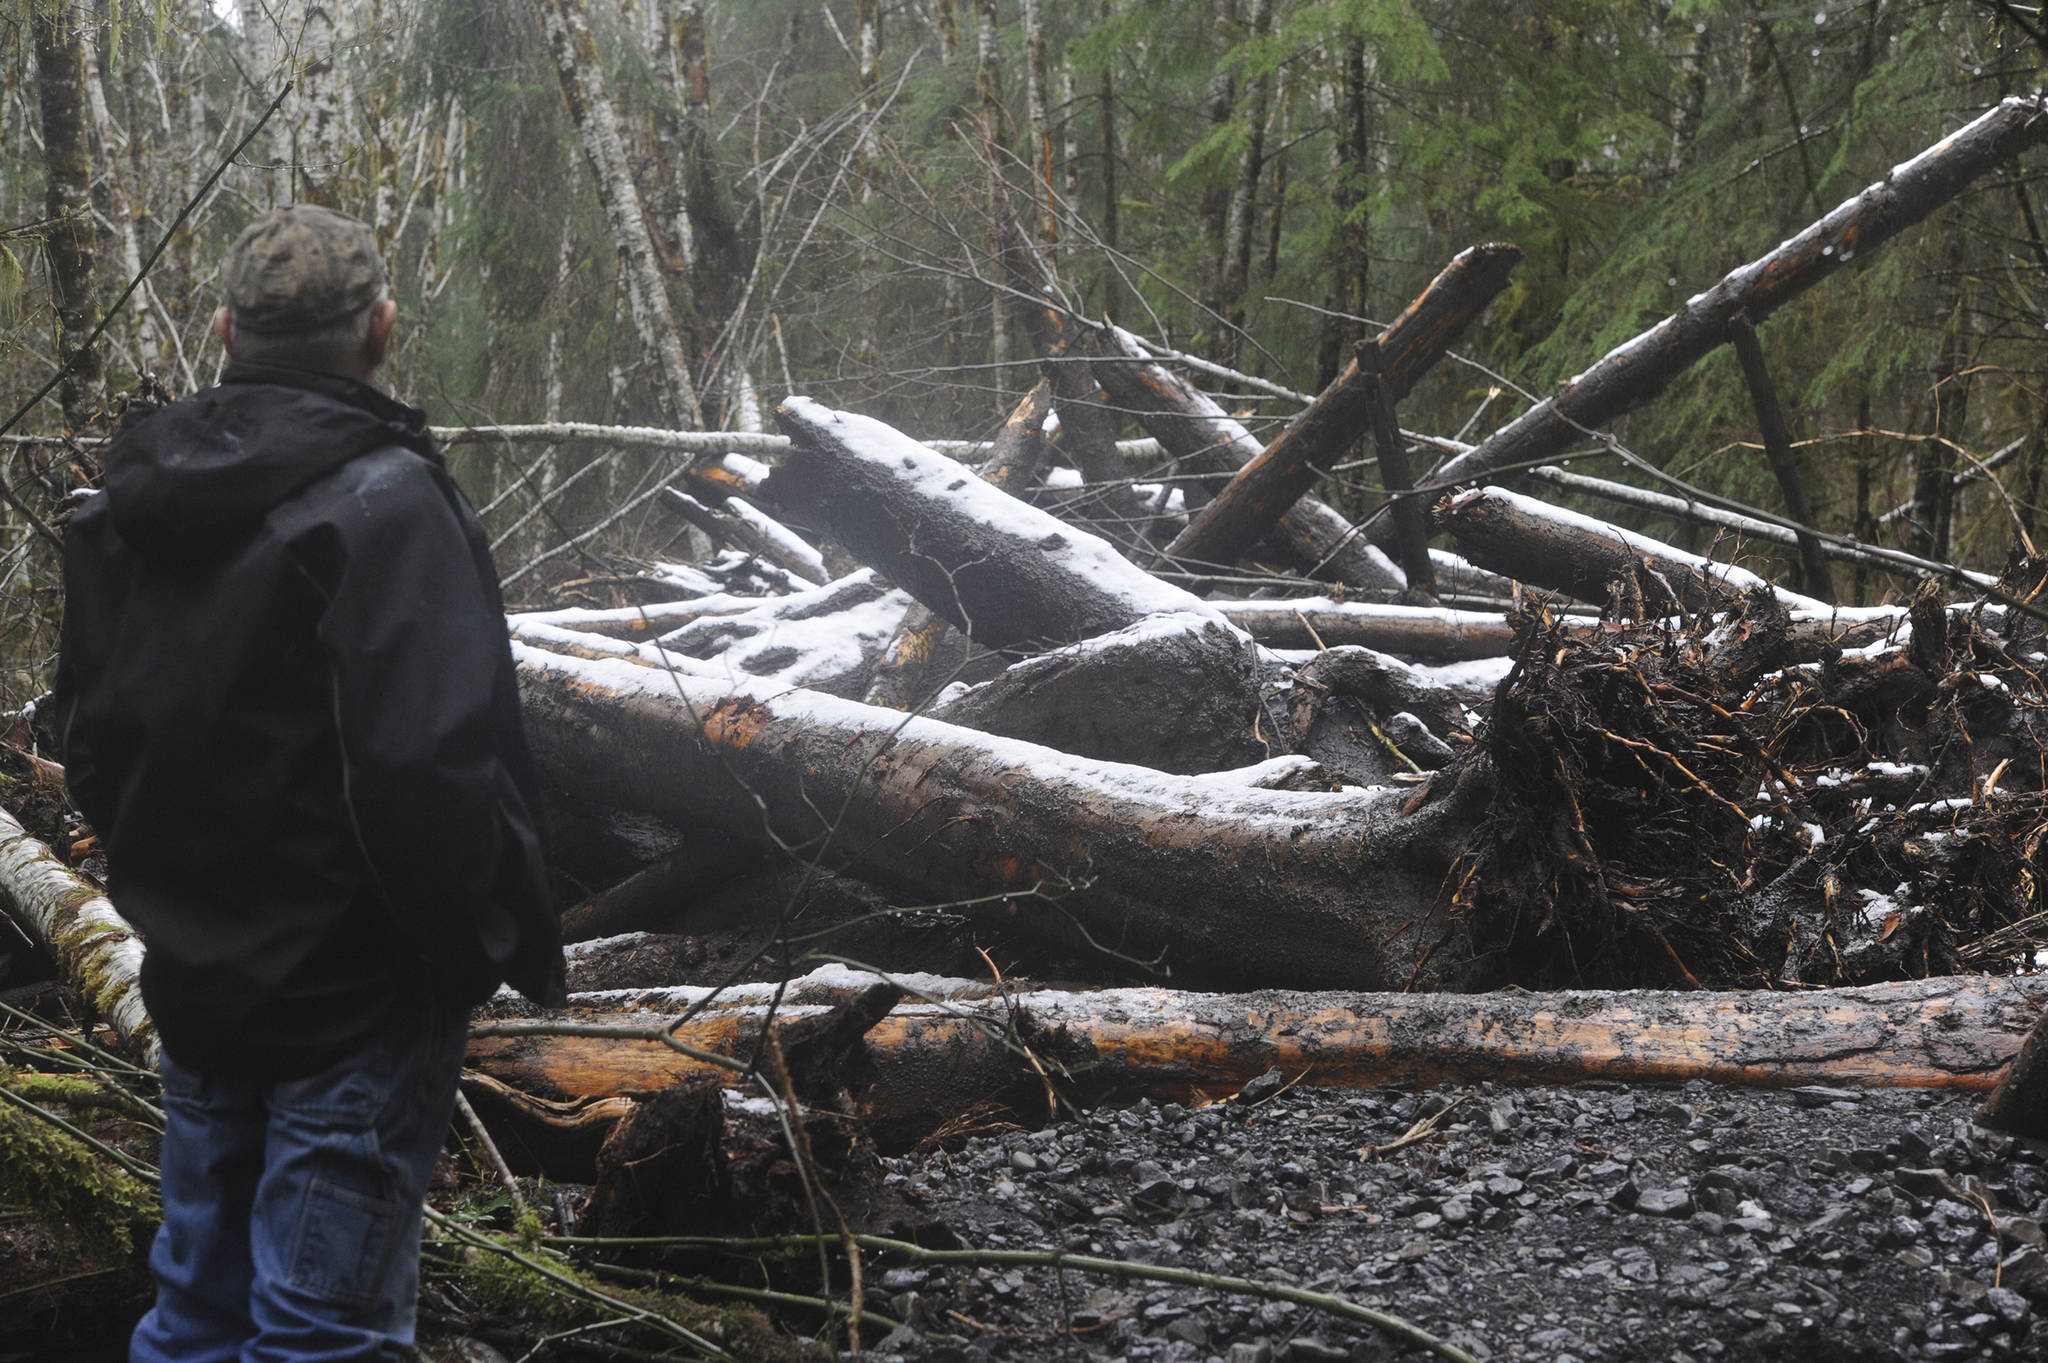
x=335, y=345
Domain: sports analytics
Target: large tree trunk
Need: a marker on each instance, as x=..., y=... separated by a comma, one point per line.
x=1551, y=547
x=1636, y=371
x=1000, y=569
x=1948, y=1033
x=71, y=240
x=1207, y=879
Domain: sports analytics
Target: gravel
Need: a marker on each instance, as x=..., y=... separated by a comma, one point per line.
x=1584, y=1223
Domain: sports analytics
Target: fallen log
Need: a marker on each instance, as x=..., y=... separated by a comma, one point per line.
x=1834, y=547
x=1342, y=412
x=737, y=523
x=1178, y=693
x=97, y=953
x=1179, y=874
x=1551, y=547
x=1209, y=446
x=1635, y=372
x=918, y=653
x=1003, y=571
x=931, y=1059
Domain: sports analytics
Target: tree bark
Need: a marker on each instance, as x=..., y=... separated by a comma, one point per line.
x=1953, y=1033
x=97, y=953
x=1636, y=371
x=1777, y=441
x=1178, y=694
x=993, y=126
x=1003, y=571
x=1244, y=195
x=1564, y=551
x=1192, y=875
x=1038, y=118
x=1341, y=413
x=321, y=166
x=590, y=107
x=71, y=242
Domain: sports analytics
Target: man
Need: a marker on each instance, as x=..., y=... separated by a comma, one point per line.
x=287, y=702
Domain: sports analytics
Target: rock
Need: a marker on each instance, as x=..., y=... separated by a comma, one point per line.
x=1817, y=1095
x=1260, y=1089
x=2008, y=1305
x=1251, y=1351
x=2026, y=1271
x=902, y=1339
x=1310, y=1349
x=1664, y=1202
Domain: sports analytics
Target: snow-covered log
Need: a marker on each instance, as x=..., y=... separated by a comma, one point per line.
x=918, y=655
x=1201, y=875
x=739, y=523
x=1000, y=569
x=97, y=953
x=1178, y=693
x=1563, y=550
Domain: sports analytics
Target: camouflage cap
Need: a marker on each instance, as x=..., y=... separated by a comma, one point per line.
x=296, y=269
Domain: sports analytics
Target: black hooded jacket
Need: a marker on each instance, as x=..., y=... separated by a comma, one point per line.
x=286, y=701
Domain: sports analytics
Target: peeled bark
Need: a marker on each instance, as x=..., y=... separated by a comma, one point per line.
x=1342, y=412
x=1562, y=550
x=1636, y=371
x=1197, y=875
x=1954, y=1033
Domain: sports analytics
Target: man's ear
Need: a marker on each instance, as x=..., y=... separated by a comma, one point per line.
x=224, y=327
x=377, y=338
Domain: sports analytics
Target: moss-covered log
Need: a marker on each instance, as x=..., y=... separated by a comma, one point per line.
x=97, y=953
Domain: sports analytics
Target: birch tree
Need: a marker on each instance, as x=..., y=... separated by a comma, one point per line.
x=588, y=97
x=70, y=239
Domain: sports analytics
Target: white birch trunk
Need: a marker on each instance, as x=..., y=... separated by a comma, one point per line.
x=319, y=96
x=1039, y=114
x=97, y=953
x=590, y=106
x=120, y=209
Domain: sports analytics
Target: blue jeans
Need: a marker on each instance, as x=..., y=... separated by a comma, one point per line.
x=292, y=1207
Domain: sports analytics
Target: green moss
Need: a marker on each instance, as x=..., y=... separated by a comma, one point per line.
x=506, y=1286
x=71, y=1192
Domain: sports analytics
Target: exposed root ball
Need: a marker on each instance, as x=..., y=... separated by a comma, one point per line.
x=1678, y=805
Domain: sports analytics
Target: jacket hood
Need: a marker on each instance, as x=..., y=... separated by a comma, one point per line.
x=190, y=482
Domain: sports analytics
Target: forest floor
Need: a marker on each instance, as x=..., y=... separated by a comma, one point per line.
x=1596, y=1222
x=1591, y=1222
